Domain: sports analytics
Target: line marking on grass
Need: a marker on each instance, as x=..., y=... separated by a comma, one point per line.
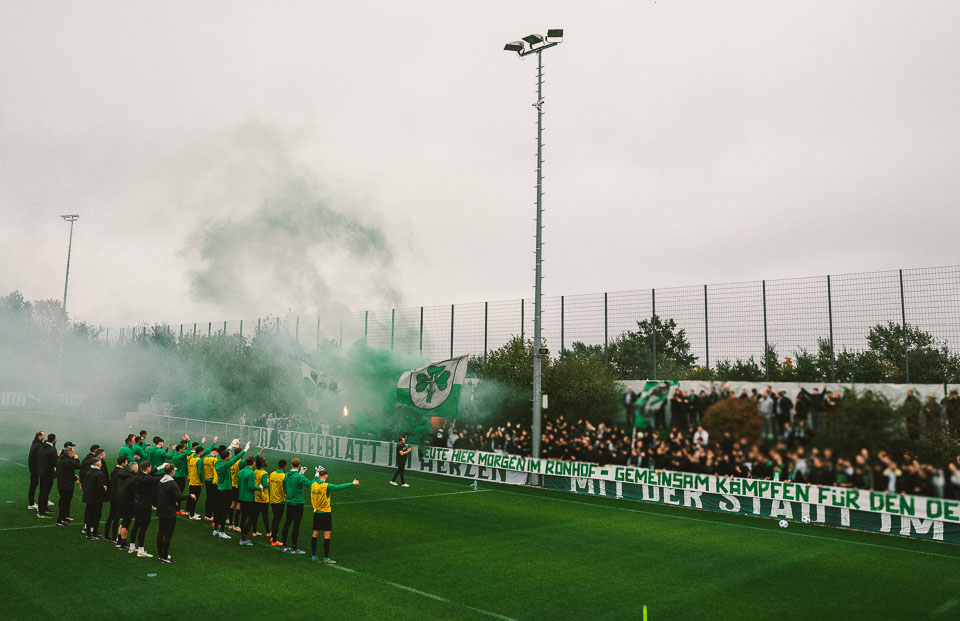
x=693, y=519
x=438, y=598
x=3, y=530
x=14, y=462
x=947, y=606
x=357, y=502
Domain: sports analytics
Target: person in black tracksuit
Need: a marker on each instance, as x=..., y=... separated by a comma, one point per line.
x=402, y=450
x=168, y=497
x=46, y=470
x=145, y=497
x=67, y=466
x=32, y=465
x=94, y=493
x=125, y=484
x=111, y=528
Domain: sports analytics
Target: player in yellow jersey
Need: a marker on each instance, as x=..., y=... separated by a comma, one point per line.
x=277, y=500
x=320, y=492
x=262, y=496
x=210, y=480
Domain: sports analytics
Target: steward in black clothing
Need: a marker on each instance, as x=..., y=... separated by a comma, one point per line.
x=168, y=495
x=144, y=499
x=94, y=493
x=125, y=485
x=32, y=465
x=67, y=466
x=46, y=469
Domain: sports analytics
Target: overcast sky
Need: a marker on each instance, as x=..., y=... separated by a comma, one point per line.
x=686, y=143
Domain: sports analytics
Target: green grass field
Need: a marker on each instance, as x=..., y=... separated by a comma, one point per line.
x=439, y=550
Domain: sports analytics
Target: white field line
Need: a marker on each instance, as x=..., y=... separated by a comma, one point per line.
x=693, y=519
x=357, y=502
x=947, y=606
x=12, y=461
x=12, y=528
x=438, y=598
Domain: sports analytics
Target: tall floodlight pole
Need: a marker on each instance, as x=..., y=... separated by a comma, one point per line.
x=536, y=44
x=71, y=218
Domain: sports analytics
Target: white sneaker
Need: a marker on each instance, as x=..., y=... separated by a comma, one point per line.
x=144, y=554
x=393, y=482
x=195, y=517
x=405, y=485
x=49, y=503
x=33, y=506
x=224, y=536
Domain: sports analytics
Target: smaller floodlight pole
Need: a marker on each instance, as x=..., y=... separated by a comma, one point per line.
x=535, y=44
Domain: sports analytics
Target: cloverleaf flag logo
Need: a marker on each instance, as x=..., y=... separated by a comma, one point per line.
x=435, y=378
x=435, y=387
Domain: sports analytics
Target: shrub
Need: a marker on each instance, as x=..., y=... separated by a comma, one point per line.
x=738, y=416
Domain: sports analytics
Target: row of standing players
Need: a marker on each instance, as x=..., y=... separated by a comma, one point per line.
x=156, y=477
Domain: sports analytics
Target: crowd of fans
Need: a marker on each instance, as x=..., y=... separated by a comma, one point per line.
x=785, y=455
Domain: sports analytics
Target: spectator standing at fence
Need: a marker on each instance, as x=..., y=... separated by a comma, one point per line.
x=951, y=407
x=911, y=415
x=46, y=470
x=32, y=465
x=629, y=404
x=765, y=407
x=932, y=416
x=784, y=408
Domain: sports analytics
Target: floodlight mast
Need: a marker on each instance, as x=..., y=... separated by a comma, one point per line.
x=71, y=218
x=535, y=44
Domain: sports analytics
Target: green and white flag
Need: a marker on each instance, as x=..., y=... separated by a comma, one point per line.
x=433, y=390
x=651, y=399
x=315, y=383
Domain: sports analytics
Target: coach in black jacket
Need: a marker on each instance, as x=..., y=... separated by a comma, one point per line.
x=67, y=466
x=125, y=484
x=168, y=495
x=111, y=526
x=46, y=469
x=94, y=493
x=32, y=459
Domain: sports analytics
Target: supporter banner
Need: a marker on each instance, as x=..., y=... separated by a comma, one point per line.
x=377, y=453
x=791, y=510
x=784, y=491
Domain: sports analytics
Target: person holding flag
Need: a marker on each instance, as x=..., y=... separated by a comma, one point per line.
x=320, y=492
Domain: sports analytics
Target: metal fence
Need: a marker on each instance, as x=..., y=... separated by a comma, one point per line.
x=722, y=322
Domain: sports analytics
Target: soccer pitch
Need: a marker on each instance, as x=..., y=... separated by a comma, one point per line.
x=440, y=550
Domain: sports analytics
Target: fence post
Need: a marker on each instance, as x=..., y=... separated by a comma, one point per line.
x=561, y=325
x=240, y=340
x=903, y=319
x=833, y=363
x=393, y=323
x=521, y=319
x=181, y=332
x=706, y=330
x=209, y=329
x=451, y=330
x=766, y=358
x=421, y=330
x=278, y=325
x=317, y=348
x=341, y=333
x=485, y=314
x=606, y=315
x=366, y=321
x=653, y=303
x=241, y=328
x=224, y=328
x=258, y=325
x=296, y=334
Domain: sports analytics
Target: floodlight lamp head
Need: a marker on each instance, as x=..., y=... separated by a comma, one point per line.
x=533, y=39
x=70, y=217
x=514, y=46
x=555, y=35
